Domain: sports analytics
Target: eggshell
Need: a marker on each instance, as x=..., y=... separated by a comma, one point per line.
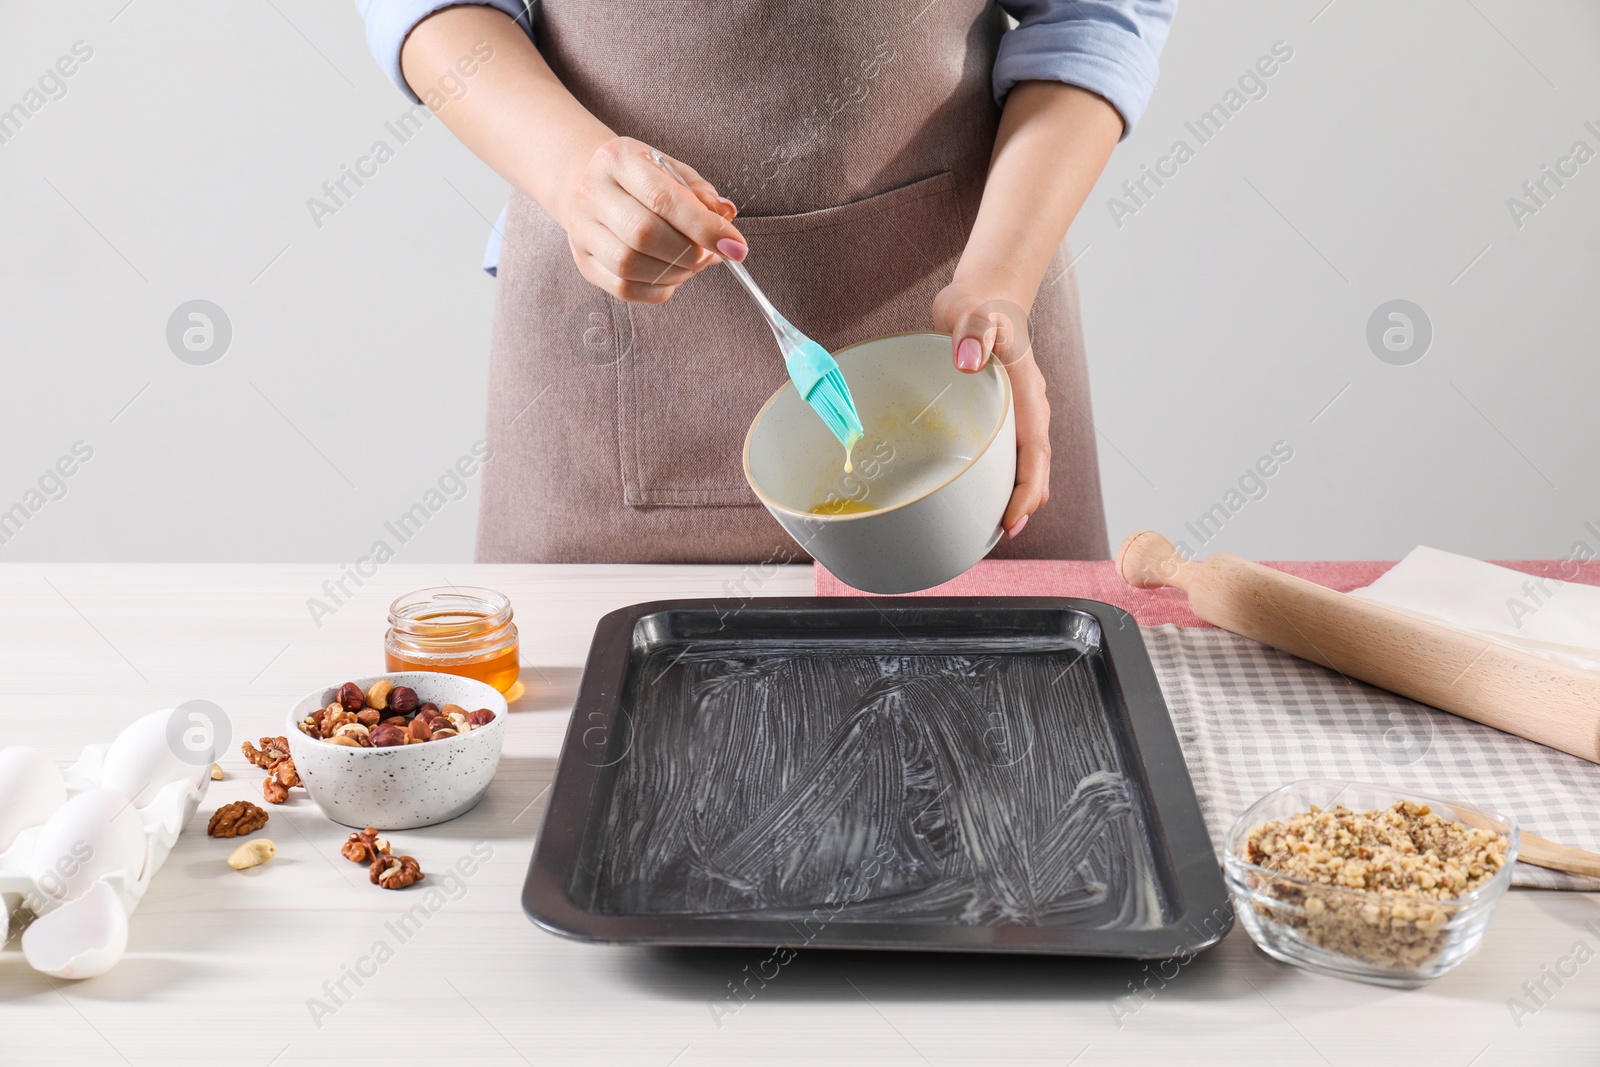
x=96, y=833
x=30, y=790
x=80, y=939
x=143, y=759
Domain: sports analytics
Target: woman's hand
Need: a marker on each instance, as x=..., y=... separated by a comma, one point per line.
x=983, y=322
x=636, y=232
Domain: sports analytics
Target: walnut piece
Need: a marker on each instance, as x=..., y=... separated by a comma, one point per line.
x=395, y=872
x=364, y=847
x=281, y=773
x=236, y=819
x=286, y=774
x=271, y=751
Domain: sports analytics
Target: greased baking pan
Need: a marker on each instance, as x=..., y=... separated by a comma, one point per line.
x=984, y=774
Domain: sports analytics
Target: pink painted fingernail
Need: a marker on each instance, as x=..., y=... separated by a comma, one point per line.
x=1018, y=527
x=969, y=355
x=734, y=250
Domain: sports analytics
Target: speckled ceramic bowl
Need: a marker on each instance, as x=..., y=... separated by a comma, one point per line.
x=407, y=785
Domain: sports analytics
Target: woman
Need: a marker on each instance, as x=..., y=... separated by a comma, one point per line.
x=855, y=153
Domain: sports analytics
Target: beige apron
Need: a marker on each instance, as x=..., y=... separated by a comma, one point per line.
x=855, y=139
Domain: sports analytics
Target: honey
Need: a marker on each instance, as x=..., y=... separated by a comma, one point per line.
x=842, y=506
x=454, y=630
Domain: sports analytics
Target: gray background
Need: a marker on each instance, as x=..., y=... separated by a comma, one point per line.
x=1228, y=313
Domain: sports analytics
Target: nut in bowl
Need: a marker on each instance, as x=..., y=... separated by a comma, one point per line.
x=1368, y=882
x=373, y=771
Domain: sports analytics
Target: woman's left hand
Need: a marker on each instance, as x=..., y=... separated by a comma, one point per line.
x=983, y=322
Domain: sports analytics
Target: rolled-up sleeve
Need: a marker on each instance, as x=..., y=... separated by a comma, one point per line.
x=1110, y=47
x=390, y=22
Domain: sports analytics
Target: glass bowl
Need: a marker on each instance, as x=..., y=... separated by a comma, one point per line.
x=1387, y=938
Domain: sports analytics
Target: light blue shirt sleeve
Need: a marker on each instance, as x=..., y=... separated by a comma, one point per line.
x=390, y=22
x=1109, y=47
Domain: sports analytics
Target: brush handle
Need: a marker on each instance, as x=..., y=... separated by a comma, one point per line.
x=780, y=325
x=1511, y=690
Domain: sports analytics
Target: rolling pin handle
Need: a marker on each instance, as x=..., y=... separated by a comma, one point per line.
x=1149, y=561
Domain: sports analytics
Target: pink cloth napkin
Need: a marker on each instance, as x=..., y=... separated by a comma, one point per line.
x=1097, y=580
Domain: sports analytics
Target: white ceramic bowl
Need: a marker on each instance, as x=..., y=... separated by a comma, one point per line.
x=406, y=785
x=937, y=465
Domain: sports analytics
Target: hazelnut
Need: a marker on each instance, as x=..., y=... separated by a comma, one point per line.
x=481, y=717
x=368, y=717
x=419, y=730
x=386, y=736
x=351, y=698
x=403, y=700
x=428, y=708
x=397, y=720
x=378, y=694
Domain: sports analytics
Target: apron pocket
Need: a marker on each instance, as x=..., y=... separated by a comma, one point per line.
x=700, y=366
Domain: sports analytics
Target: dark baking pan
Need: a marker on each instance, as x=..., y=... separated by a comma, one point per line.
x=981, y=774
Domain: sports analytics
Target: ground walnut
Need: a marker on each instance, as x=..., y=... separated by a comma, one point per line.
x=236, y=819
x=364, y=847
x=395, y=872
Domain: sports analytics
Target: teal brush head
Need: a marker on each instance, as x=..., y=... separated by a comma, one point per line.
x=813, y=371
x=816, y=374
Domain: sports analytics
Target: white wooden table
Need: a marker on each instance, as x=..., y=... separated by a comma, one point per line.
x=223, y=967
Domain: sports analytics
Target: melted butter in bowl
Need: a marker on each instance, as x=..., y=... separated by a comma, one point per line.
x=931, y=474
x=842, y=506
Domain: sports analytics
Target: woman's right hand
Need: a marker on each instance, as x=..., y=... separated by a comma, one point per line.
x=637, y=233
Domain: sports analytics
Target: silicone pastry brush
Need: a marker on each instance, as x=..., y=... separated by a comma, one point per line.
x=814, y=372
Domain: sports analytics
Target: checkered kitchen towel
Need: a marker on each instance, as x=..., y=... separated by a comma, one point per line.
x=1251, y=718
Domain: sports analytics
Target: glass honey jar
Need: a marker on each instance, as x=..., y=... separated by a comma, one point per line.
x=454, y=630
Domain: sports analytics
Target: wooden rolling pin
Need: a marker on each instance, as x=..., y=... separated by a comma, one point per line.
x=1520, y=693
x=1542, y=852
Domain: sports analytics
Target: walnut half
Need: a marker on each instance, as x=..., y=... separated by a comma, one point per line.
x=395, y=872
x=236, y=819
x=365, y=846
